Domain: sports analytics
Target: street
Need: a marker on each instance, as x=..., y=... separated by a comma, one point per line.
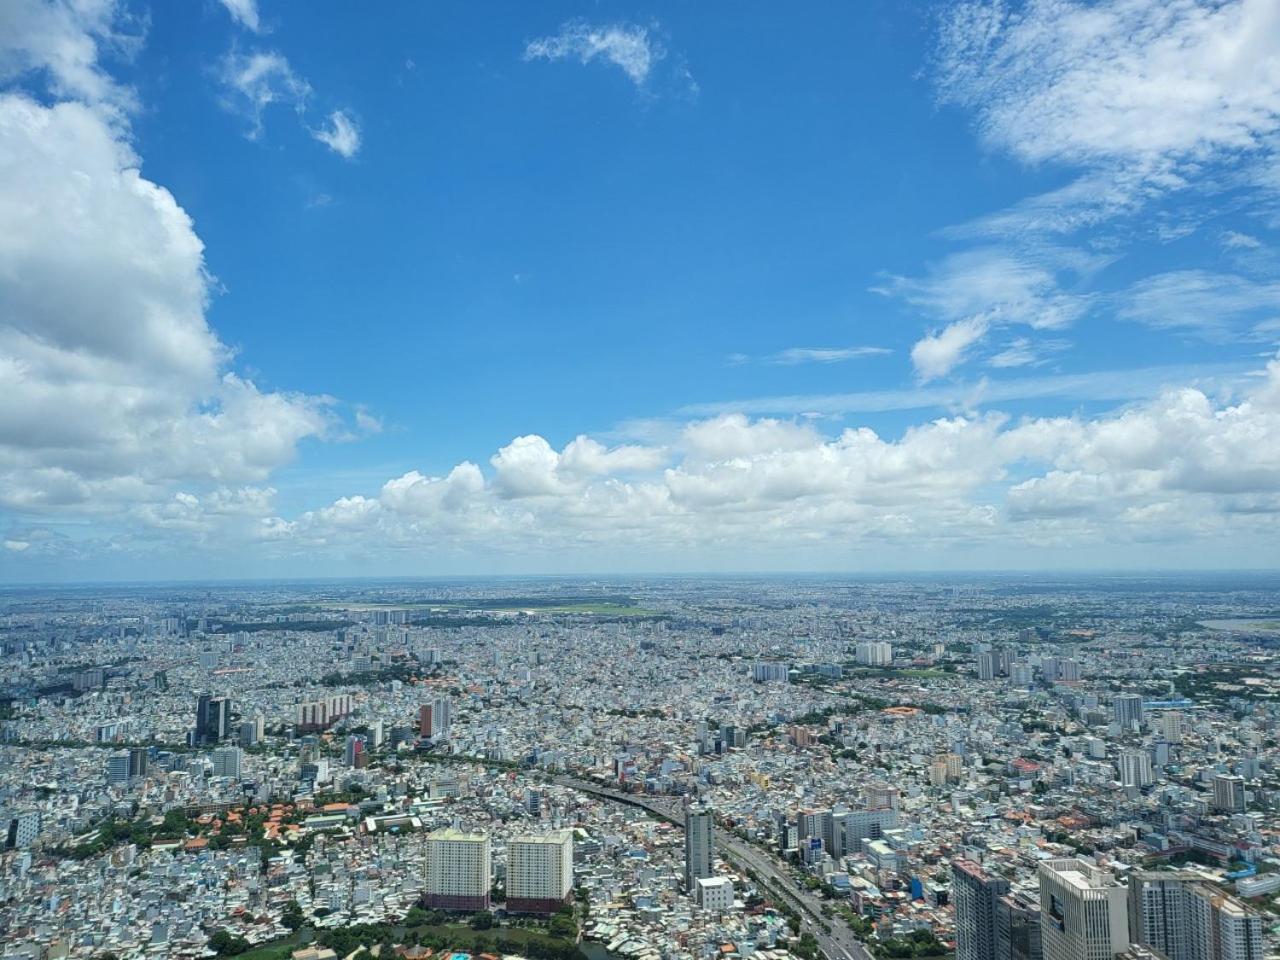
x=839, y=944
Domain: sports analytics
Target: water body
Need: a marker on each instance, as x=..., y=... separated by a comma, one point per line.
x=594, y=950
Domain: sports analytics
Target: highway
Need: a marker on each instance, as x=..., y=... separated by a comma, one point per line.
x=839, y=944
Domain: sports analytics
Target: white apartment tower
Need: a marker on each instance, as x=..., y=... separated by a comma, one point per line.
x=1083, y=911
x=540, y=872
x=1135, y=769
x=459, y=870
x=1184, y=918
x=874, y=653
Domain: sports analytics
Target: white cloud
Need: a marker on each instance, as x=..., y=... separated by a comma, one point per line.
x=937, y=354
x=1002, y=286
x=987, y=288
x=1117, y=80
x=117, y=392
x=796, y=355
x=245, y=13
x=625, y=45
x=1179, y=467
x=64, y=39
x=1023, y=352
x=1098, y=386
x=1234, y=240
x=342, y=136
x=1142, y=95
x=255, y=81
x=117, y=384
x=1213, y=305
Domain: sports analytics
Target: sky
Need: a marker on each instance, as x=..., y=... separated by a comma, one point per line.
x=330, y=289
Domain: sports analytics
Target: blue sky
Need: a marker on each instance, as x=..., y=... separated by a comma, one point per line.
x=879, y=285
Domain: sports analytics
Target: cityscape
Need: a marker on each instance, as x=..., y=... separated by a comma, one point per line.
x=985, y=768
x=640, y=480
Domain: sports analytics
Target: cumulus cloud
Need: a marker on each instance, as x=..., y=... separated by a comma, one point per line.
x=732, y=483
x=64, y=40
x=627, y=46
x=116, y=389
x=342, y=135
x=937, y=354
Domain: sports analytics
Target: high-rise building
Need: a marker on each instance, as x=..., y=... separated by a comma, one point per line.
x=699, y=846
x=1171, y=725
x=1184, y=918
x=435, y=718
x=1018, y=928
x=874, y=653
x=353, y=754
x=316, y=715
x=770, y=671
x=252, y=731
x=459, y=870
x=118, y=768
x=226, y=762
x=139, y=760
x=18, y=831
x=1135, y=769
x=540, y=872
x=974, y=893
x=1228, y=793
x=986, y=665
x=881, y=795
x=1127, y=710
x=1083, y=911
x=853, y=826
x=946, y=768
x=213, y=719
x=818, y=824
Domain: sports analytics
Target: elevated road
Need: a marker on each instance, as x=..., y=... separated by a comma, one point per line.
x=839, y=944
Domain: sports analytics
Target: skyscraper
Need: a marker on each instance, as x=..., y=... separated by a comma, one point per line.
x=975, y=893
x=699, y=846
x=1018, y=928
x=539, y=872
x=1083, y=911
x=213, y=719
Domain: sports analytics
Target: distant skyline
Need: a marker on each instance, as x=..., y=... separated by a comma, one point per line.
x=326, y=291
